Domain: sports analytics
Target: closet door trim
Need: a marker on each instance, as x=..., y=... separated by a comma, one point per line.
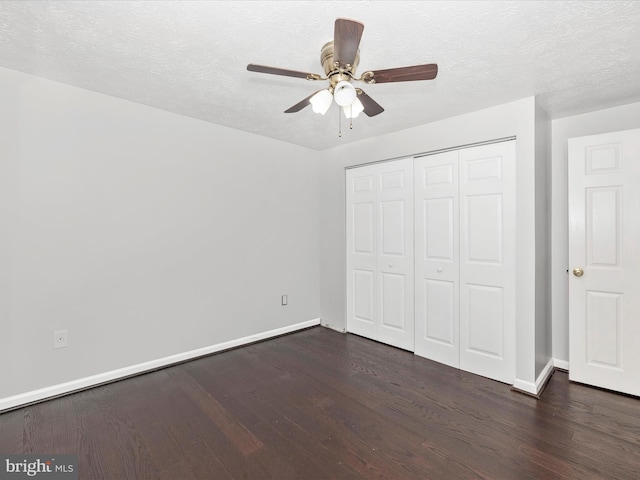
x=431, y=152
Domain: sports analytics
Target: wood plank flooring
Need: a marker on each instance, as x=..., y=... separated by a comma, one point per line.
x=321, y=405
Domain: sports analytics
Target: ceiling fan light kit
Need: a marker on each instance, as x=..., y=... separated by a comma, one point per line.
x=321, y=101
x=339, y=59
x=344, y=93
x=353, y=110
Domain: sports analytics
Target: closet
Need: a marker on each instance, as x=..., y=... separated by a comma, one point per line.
x=461, y=233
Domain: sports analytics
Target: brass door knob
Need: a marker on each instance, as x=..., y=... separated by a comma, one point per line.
x=578, y=272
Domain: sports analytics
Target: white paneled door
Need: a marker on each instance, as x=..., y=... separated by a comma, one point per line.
x=604, y=260
x=380, y=287
x=465, y=259
x=487, y=260
x=437, y=269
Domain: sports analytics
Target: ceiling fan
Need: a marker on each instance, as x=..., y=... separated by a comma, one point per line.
x=340, y=58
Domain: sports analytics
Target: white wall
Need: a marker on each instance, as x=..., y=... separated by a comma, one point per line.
x=141, y=232
x=610, y=120
x=512, y=119
x=543, y=247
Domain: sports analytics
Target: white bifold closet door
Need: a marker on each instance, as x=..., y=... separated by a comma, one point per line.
x=379, y=223
x=465, y=259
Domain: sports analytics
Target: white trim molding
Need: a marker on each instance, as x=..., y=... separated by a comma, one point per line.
x=19, y=400
x=333, y=327
x=544, y=376
x=561, y=364
x=535, y=389
x=525, y=387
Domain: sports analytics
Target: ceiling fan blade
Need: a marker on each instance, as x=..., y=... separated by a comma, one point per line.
x=402, y=74
x=371, y=107
x=282, y=71
x=300, y=105
x=346, y=39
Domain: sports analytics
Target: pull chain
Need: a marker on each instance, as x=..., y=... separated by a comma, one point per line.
x=340, y=120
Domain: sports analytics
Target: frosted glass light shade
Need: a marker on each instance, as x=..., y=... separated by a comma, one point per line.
x=344, y=93
x=321, y=101
x=353, y=110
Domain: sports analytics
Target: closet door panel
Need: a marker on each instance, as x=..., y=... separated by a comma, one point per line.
x=395, y=253
x=363, y=281
x=437, y=262
x=483, y=232
x=361, y=226
x=486, y=326
x=380, y=278
x=487, y=260
x=438, y=224
x=481, y=245
x=440, y=312
x=393, y=301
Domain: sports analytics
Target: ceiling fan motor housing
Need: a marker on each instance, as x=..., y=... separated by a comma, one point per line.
x=333, y=71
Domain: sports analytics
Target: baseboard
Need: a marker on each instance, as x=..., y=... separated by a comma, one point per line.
x=544, y=376
x=333, y=327
x=535, y=389
x=561, y=364
x=523, y=386
x=23, y=399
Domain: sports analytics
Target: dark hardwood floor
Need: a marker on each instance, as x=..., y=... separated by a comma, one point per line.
x=321, y=405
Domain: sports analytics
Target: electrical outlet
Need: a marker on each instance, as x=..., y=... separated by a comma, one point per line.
x=285, y=299
x=61, y=339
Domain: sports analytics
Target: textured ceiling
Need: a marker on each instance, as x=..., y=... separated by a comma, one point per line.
x=190, y=57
